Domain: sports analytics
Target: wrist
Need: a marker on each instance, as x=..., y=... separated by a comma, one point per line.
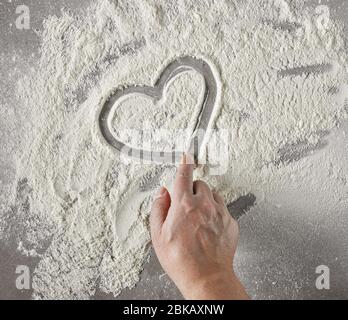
x=218, y=286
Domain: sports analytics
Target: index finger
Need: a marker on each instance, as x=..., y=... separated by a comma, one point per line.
x=183, y=183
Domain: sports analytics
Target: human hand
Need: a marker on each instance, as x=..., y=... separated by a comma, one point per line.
x=195, y=239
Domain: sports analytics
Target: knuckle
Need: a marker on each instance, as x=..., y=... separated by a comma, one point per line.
x=207, y=206
x=188, y=204
x=218, y=197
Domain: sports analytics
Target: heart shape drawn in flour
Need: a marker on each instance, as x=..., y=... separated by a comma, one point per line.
x=204, y=120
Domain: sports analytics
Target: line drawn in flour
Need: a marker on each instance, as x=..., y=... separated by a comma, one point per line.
x=206, y=116
x=241, y=206
x=306, y=70
x=294, y=152
x=283, y=25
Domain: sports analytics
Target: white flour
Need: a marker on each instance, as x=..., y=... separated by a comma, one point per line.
x=78, y=206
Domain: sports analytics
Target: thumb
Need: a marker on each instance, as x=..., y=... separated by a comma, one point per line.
x=159, y=211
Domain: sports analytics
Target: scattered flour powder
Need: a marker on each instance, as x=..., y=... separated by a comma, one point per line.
x=80, y=208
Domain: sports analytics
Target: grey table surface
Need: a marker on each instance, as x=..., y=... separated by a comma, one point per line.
x=155, y=284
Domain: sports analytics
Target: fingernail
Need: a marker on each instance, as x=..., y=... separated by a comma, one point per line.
x=161, y=192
